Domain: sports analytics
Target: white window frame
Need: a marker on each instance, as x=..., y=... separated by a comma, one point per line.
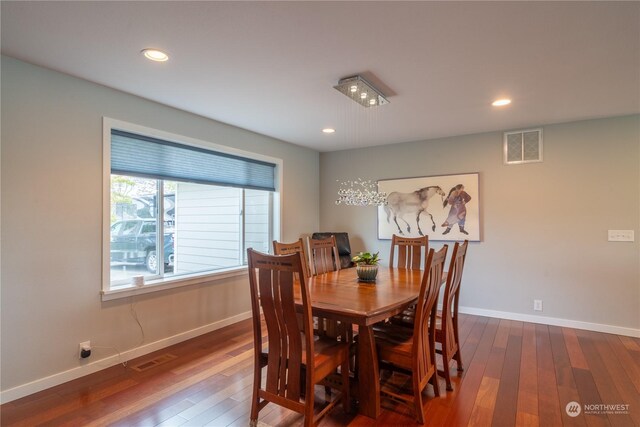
x=174, y=281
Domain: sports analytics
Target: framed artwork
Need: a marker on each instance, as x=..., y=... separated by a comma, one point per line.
x=443, y=207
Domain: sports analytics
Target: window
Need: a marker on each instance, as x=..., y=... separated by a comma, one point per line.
x=179, y=212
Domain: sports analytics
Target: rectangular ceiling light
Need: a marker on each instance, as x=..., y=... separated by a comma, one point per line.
x=361, y=91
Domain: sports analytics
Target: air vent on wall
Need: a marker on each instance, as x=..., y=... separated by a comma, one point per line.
x=523, y=146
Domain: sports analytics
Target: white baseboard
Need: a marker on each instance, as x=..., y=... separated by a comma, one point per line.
x=98, y=365
x=553, y=321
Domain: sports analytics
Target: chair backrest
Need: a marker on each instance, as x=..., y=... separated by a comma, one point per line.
x=426, y=308
x=271, y=278
x=454, y=278
x=342, y=241
x=411, y=251
x=323, y=255
x=280, y=248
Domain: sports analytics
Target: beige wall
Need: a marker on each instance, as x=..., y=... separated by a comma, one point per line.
x=52, y=218
x=544, y=224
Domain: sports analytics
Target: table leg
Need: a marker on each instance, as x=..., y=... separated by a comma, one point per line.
x=368, y=373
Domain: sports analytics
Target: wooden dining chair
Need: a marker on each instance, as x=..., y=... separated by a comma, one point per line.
x=411, y=251
x=342, y=241
x=280, y=248
x=412, y=351
x=447, y=321
x=323, y=254
x=324, y=258
x=290, y=353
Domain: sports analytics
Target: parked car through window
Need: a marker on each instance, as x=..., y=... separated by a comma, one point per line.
x=134, y=242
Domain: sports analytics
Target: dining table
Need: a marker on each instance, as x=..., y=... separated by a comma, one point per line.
x=339, y=295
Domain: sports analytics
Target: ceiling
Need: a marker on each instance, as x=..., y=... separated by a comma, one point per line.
x=270, y=67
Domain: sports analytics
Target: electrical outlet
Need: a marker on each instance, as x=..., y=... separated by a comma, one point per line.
x=84, y=350
x=537, y=305
x=621, y=236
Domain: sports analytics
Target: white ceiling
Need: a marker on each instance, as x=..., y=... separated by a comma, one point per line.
x=270, y=67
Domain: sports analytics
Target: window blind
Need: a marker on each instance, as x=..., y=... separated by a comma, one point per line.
x=144, y=156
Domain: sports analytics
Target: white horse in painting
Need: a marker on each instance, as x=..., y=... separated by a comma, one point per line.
x=400, y=204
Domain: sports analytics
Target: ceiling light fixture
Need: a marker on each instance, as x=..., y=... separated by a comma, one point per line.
x=328, y=130
x=360, y=192
x=155, y=55
x=361, y=91
x=501, y=102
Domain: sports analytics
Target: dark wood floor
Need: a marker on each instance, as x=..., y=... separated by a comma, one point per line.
x=516, y=373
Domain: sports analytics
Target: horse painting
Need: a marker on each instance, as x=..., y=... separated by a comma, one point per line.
x=417, y=202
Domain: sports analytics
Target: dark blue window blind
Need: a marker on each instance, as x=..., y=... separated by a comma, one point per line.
x=144, y=156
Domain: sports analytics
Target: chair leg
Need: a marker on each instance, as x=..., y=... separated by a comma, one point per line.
x=254, y=413
x=458, y=358
x=255, y=400
x=309, y=420
x=434, y=382
x=417, y=400
x=447, y=377
x=457, y=355
x=346, y=400
x=446, y=369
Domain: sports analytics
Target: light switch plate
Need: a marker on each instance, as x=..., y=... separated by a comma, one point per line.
x=621, y=236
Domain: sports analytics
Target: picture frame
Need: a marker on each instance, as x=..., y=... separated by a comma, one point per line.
x=444, y=207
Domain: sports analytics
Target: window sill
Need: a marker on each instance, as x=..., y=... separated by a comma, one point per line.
x=172, y=283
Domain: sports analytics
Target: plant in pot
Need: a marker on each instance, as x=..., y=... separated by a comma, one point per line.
x=366, y=266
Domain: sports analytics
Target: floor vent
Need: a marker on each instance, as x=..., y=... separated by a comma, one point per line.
x=523, y=146
x=156, y=361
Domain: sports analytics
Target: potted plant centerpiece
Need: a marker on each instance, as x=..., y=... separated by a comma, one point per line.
x=366, y=266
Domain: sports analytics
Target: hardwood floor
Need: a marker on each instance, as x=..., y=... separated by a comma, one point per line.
x=516, y=373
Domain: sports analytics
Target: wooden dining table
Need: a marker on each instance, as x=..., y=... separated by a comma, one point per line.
x=340, y=296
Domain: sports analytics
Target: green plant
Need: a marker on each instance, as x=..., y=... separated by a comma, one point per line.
x=366, y=258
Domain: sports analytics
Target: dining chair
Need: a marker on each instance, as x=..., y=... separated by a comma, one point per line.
x=447, y=321
x=280, y=248
x=324, y=258
x=342, y=241
x=295, y=361
x=412, y=351
x=411, y=251
x=323, y=254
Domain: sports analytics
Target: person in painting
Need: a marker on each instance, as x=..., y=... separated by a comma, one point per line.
x=457, y=199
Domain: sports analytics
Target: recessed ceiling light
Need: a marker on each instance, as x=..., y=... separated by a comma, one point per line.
x=501, y=102
x=328, y=130
x=155, y=55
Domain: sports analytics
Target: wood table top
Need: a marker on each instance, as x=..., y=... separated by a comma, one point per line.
x=339, y=295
